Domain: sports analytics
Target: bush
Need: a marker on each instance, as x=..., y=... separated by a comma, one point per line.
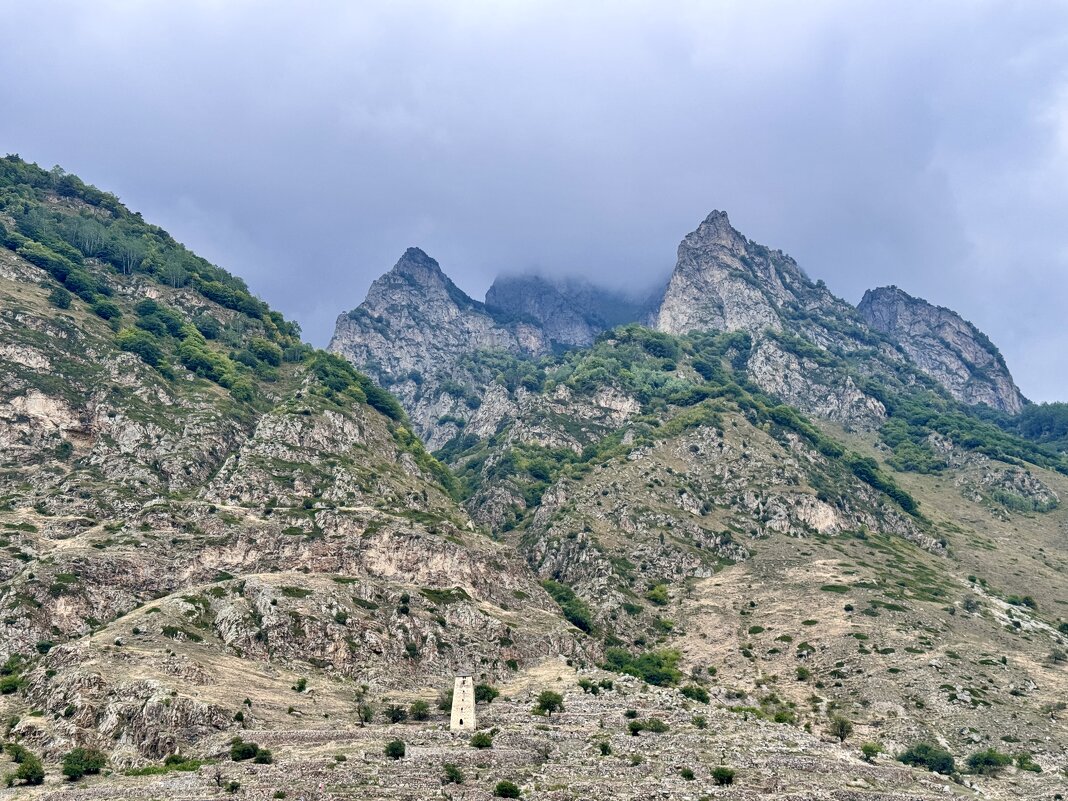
x=870, y=751
x=395, y=749
x=485, y=693
x=696, y=693
x=576, y=612
x=925, y=755
x=654, y=667
x=79, y=762
x=263, y=757
x=142, y=344
x=419, y=710
x=481, y=739
x=506, y=789
x=453, y=775
x=60, y=298
x=549, y=702
x=723, y=776
x=106, y=310
x=396, y=714
x=687, y=774
x=30, y=771
x=241, y=750
x=1025, y=762
x=988, y=762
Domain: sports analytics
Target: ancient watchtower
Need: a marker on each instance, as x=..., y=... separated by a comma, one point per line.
x=463, y=703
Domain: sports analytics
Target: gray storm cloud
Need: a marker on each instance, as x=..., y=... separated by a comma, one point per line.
x=305, y=145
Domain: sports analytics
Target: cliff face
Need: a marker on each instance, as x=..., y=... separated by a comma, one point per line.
x=945, y=346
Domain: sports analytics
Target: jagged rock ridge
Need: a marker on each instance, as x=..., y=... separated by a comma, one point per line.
x=945, y=346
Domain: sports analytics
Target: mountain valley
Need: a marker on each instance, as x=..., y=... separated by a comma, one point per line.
x=761, y=543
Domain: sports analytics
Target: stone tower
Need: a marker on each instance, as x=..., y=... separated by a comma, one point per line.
x=463, y=703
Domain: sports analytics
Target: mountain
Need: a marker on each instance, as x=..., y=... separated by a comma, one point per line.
x=571, y=313
x=414, y=328
x=945, y=346
x=733, y=554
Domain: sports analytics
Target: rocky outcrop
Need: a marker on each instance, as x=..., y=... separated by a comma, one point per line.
x=945, y=346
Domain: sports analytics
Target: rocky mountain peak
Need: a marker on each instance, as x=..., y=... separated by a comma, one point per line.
x=715, y=231
x=416, y=263
x=945, y=346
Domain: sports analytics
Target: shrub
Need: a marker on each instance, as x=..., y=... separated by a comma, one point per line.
x=241, y=750
x=481, y=739
x=1024, y=762
x=81, y=761
x=263, y=757
x=925, y=755
x=301, y=685
x=988, y=762
x=419, y=710
x=870, y=751
x=142, y=344
x=395, y=749
x=30, y=770
x=506, y=789
x=723, y=776
x=696, y=693
x=453, y=775
x=658, y=595
x=549, y=702
x=396, y=714
x=485, y=693
x=654, y=667
x=604, y=748
x=106, y=310
x=575, y=611
x=60, y=298
x=687, y=774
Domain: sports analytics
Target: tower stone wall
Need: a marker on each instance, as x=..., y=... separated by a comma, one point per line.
x=463, y=704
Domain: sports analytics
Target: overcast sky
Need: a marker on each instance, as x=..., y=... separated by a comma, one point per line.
x=304, y=145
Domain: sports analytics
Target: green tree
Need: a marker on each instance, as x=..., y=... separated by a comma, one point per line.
x=841, y=728
x=549, y=702
x=395, y=749
x=396, y=713
x=485, y=693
